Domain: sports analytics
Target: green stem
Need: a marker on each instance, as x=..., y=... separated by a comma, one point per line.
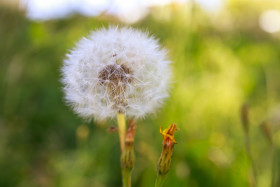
x=249, y=154
x=127, y=157
x=126, y=177
x=160, y=180
x=121, y=129
x=276, y=169
x=273, y=173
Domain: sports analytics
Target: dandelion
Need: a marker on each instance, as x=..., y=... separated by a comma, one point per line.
x=116, y=72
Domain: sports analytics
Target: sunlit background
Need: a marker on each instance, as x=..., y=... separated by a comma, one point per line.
x=127, y=11
x=224, y=53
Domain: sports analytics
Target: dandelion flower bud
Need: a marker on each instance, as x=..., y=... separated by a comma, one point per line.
x=167, y=150
x=116, y=70
x=166, y=154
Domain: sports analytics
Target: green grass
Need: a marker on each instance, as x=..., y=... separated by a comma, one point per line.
x=218, y=63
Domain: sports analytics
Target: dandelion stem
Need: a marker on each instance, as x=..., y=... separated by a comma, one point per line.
x=126, y=177
x=128, y=157
x=160, y=180
x=121, y=129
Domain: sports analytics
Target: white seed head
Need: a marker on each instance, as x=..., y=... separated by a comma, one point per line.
x=116, y=70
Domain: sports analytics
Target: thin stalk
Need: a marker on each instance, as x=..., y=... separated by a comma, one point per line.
x=121, y=129
x=273, y=168
x=160, y=180
x=127, y=147
x=249, y=154
x=126, y=177
x=276, y=168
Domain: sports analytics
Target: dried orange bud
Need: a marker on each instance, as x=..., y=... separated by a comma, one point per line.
x=168, y=134
x=167, y=149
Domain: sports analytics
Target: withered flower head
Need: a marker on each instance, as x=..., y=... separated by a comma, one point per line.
x=167, y=149
x=168, y=134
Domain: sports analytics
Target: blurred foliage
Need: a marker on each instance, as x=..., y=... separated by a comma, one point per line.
x=221, y=60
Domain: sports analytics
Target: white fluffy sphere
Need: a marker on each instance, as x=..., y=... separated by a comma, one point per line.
x=116, y=70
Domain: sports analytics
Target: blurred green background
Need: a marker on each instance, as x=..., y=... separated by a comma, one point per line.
x=220, y=60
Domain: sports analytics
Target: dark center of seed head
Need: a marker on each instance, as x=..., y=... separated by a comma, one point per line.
x=115, y=78
x=115, y=74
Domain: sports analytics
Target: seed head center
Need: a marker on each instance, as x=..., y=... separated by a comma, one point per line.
x=116, y=77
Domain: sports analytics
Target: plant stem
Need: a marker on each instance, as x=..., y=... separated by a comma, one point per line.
x=249, y=154
x=121, y=129
x=160, y=180
x=276, y=169
x=128, y=157
x=273, y=168
x=126, y=175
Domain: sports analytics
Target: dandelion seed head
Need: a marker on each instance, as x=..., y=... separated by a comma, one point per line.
x=116, y=70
